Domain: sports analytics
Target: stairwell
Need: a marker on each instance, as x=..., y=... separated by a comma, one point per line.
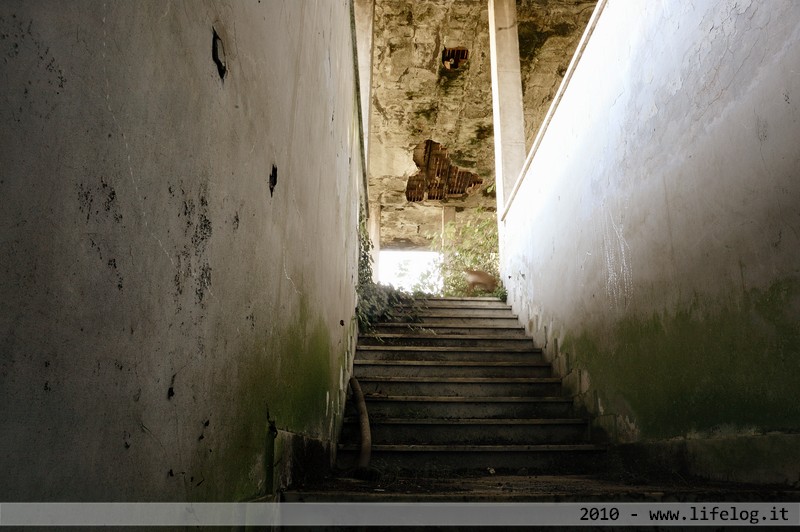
x=463, y=407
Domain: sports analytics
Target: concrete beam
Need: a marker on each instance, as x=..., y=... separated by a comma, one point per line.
x=448, y=215
x=509, y=121
x=374, y=230
x=364, y=15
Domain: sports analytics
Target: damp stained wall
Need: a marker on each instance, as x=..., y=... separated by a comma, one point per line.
x=653, y=248
x=178, y=245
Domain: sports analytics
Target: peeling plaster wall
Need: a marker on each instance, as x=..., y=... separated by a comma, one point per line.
x=653, y=246
x=178, y=250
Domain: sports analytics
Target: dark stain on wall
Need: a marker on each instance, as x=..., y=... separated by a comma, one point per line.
x=98, y=201
x=106, y=207
x=203, y=282
x=193, y=266
x=171, y=389
x=21, y=47
x=273, y=180
x=205, y=424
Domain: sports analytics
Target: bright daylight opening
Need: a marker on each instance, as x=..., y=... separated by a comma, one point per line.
x=405, y=270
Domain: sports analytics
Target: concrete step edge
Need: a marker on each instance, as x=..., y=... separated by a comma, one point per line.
x=451, y=348
x=463, y=312
x=447, y=336
x=467, y=448
x=458, y=302
x=456, y=305
x=472, y=421
x=451, y=363
x=464, y=380
x=459, y=298
x=470, y=399
x=424, y=497
x=422, y=325
x=413, y=315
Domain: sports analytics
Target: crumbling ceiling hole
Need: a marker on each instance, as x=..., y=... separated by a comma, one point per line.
x=438, y=178
x=452, y=58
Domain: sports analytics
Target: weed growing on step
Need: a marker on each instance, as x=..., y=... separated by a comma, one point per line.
x=378, y=302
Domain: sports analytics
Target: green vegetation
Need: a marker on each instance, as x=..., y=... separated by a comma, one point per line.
x=377, y=302
x=472, y=245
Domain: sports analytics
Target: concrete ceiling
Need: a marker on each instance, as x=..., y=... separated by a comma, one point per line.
x=415, y=98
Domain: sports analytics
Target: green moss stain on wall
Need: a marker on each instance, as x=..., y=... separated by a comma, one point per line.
x=306, y=377
x=285, y=379
x=694, y=370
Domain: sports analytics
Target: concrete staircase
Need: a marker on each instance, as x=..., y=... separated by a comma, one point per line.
x=463, y=390
x=463, y=408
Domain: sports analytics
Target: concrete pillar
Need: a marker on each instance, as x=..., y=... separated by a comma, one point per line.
x=509, y=121
x=364, y=16
x=448, y=215
x=374, y=230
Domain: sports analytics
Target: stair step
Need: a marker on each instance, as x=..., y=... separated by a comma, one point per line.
x=462, y=388
x=465, y=407
x=423, y=459
x=461, y=302
x=424, y=329
x=455, y=312
x=464, y=368
x=475, y=421
x=477, y=448
x=441, y=322
x=462, y=315
x=414, y=338
x=516, y=348
x=478, y=387
x=439, y=353
x=480, y=431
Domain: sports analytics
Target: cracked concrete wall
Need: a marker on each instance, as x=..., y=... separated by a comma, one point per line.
x=653, y=246
x=179, y=246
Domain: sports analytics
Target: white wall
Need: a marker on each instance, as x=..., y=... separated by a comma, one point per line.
x=161, y=305
x=653, y=245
